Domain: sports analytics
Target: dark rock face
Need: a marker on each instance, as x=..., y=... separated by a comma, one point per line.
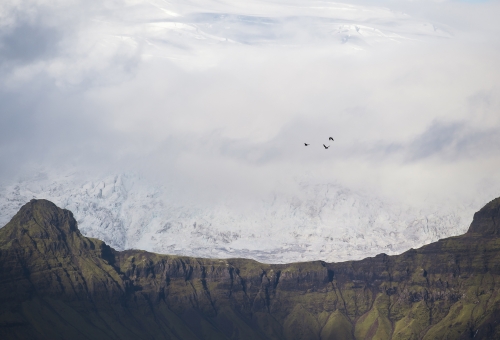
x=57, y=284
x=487, y=220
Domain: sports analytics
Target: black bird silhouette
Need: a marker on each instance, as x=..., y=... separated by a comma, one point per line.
x=331, y=138
x=326, y=147
x=306, y=144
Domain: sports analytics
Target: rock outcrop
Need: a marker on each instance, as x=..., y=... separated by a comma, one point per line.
x=486, y=221
x=57, y=284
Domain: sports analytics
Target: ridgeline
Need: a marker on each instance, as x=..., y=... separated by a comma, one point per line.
x=57, y=284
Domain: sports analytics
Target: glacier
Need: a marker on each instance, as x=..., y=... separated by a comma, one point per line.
x=326, y=221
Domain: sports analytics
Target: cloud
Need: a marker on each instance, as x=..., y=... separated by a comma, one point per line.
x=220, y=97
x=27, y=43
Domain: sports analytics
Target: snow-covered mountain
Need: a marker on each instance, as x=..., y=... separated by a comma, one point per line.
x=321, y=222
x=222, y=95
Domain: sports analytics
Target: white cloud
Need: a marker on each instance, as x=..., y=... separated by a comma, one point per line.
x=219, y=96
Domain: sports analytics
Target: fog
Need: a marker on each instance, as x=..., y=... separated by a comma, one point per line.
x=218, y=98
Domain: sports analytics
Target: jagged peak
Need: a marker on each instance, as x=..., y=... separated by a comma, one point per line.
x=487, y=220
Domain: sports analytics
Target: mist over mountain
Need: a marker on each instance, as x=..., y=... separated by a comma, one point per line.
x=326, y=222
x=179, y=126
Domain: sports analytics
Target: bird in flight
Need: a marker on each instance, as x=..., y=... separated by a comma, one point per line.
x=326, y=147
x=331, y=138
x=306, y=144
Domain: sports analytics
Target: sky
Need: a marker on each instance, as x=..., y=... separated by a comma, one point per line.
x=218, y=97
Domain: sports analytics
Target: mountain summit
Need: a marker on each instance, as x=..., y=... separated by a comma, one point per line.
x=42, y=220
x=487, y=220
x=57, y=284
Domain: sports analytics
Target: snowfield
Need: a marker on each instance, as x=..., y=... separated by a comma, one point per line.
x=324, y=222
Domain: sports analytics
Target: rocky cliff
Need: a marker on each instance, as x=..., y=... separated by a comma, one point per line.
x=57, y=284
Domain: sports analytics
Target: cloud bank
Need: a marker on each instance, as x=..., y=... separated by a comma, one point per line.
x=217, y=98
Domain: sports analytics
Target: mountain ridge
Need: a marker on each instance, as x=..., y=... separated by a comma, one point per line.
x=56, y=283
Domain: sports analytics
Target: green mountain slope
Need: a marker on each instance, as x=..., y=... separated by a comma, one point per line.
x=57, y=284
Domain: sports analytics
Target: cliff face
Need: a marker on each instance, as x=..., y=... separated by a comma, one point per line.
x=57, y=284
x=487, y=220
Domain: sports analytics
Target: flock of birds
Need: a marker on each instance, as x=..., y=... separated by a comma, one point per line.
x=326, y=147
